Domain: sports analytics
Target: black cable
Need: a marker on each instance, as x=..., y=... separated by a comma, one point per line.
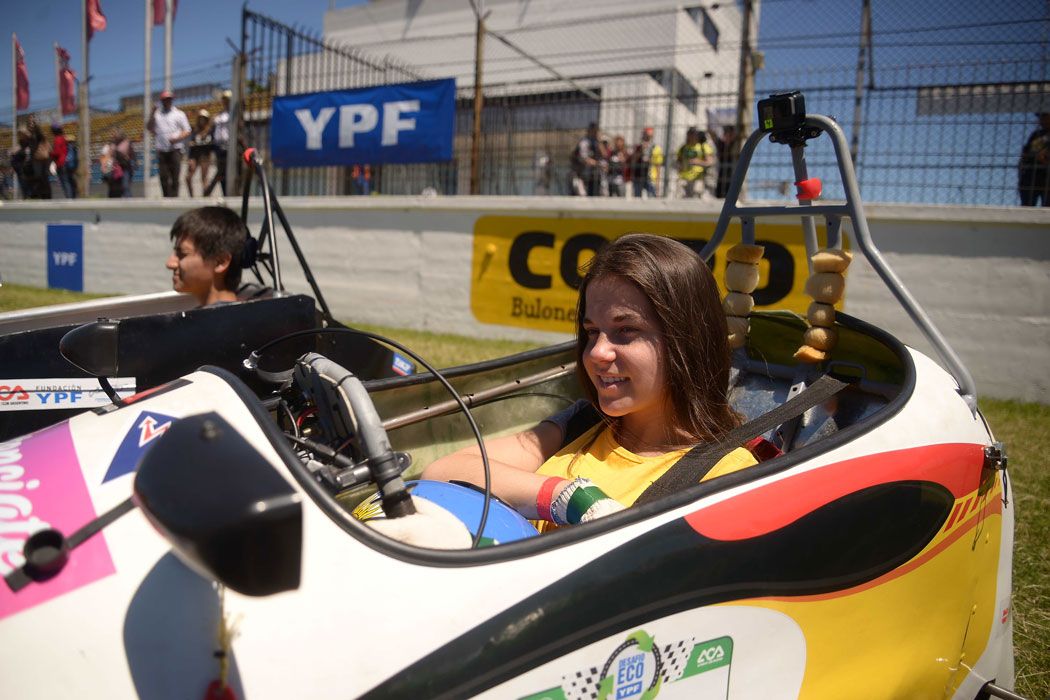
x=325, y=450
x=253, y=358
x=291, y=417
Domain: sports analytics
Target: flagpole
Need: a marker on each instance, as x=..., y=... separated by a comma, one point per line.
x=167, y=44
x=147, y=103
x=84, y=164
x=14, y=100
x=58, y=86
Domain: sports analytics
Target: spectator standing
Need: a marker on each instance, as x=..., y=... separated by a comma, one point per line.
x=21, y=155
x=586, y=169
x=200, y=150
x=361, y=180
x=618, y=168
x=1032, y=180
x=124, y=152
x=692, y=158
x=170, y=127
x=40, y=162
x=73, y=162
x=116, y=164
x=543, y=170
x=644, y=165
x=724, y=152
x=112, y=173
x=604, y=149
x=60, y=156
x=220, y=143
x=7, y=182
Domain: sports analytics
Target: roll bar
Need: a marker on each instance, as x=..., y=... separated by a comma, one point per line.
x=833, y=213
x=264, y=250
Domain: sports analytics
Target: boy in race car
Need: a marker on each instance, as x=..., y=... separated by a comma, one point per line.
x=206, y=259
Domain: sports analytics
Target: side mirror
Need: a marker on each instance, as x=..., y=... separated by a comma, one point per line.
x=93, y=347
x=228, y=513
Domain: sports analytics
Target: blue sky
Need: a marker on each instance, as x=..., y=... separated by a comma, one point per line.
x=200, y=53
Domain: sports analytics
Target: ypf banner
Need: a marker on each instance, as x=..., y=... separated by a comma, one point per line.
x=65, y=256
x=406, y=123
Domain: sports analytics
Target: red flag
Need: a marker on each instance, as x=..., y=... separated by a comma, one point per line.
x=96, y=21
x=67, y=82
x=159, y=8
x=21, y=76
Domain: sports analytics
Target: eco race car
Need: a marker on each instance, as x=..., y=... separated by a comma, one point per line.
x=196, y=541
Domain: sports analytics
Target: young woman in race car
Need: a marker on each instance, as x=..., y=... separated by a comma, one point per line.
x=653, y=360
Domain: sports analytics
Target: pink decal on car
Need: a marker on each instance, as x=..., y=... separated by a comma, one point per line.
x=41, y=486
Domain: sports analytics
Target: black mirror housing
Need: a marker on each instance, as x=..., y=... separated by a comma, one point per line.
x=93, y=347
x=229, y=514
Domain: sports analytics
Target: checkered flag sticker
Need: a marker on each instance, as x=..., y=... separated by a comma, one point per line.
x=581, y=685
x=675, y=656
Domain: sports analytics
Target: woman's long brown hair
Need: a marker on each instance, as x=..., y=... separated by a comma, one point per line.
x=688, y=309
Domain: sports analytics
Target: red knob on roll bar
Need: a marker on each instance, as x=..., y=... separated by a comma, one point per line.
x=808, y=189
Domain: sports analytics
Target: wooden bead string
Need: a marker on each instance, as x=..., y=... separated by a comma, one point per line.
x=826, y=285
x=741, y=281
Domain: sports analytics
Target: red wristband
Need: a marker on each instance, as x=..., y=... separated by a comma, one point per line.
x=545, y=496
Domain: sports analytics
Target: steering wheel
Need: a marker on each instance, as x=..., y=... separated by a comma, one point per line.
x=347, y=418
x=347, y=413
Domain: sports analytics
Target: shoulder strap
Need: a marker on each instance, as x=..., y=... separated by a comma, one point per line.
x=695, y=464
x=582, y=421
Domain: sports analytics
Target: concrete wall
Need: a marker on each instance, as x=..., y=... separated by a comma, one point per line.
x=983, y=274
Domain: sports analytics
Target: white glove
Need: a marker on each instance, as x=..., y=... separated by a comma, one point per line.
x=430, y=526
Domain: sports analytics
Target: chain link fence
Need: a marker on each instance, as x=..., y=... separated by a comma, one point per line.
x=938, y=99
x=938, y=103
x=947, y=93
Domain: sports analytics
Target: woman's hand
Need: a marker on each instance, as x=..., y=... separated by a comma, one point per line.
x=513, y=461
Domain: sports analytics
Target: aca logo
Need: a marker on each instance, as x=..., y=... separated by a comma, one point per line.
x=147, y=428
x=13, y=393
x=632, y=670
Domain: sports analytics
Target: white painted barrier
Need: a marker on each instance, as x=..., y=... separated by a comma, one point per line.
x=982, y=273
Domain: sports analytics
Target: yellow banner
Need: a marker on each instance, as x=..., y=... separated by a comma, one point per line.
x=525, y=271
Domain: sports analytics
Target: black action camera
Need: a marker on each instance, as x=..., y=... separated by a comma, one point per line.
x=783, y=114
x=783, y=111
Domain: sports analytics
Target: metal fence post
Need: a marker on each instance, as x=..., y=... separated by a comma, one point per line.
x=671, y=80
x=287, y=91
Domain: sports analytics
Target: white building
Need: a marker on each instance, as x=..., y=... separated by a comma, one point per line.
x=625, y=64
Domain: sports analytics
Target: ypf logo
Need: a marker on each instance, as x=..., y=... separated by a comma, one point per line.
x=357, y=119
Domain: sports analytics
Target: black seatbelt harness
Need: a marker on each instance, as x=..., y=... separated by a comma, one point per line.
x=697, y=462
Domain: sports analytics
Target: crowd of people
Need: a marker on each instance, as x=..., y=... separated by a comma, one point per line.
x=205, y=143
x=39, y=158
x=600, y=167
x=36, y=158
